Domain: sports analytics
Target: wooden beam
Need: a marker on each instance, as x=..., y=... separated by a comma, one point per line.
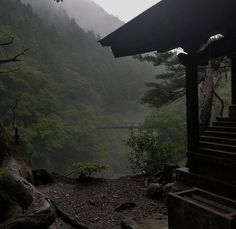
x=219, y=48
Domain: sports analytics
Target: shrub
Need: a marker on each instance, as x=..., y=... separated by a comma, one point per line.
x=148, y=153
x=85, y=170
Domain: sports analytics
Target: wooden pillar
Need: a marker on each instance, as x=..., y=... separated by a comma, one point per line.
x=232, y=108
x=191, y=100
x=233, y=79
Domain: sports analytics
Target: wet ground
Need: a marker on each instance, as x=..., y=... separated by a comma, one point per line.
x=105, y=204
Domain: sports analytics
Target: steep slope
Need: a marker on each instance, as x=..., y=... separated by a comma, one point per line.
x=88, y=14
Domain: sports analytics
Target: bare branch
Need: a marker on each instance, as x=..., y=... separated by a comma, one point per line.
x=13, y=59
x=8, y=42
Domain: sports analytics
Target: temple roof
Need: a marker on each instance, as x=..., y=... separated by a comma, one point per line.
x=174, y=23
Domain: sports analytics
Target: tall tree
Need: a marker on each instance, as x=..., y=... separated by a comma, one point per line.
x=170, y=84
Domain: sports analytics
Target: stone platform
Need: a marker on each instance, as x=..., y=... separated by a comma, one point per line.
x=186, y=180
x=199, y=209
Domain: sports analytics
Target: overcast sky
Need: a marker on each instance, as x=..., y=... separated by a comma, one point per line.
x=126, y=9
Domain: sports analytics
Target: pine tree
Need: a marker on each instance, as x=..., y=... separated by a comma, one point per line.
x=170, y=84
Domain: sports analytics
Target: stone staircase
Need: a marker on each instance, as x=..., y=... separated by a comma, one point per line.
x=207, y=188
x=209, y=183
x=216, y=155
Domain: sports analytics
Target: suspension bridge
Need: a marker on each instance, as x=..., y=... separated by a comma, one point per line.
x=124, y=126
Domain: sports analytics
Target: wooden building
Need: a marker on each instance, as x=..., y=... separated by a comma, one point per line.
x=208, y=197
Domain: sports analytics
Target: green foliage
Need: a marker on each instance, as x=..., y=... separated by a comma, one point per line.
x=67, y=85
x=161, y=139
x=170, y=84
x=147, y=152
x=86, y=169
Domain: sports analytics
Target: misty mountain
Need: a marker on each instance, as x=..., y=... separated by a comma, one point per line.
x=68, y=86
x=88, y=14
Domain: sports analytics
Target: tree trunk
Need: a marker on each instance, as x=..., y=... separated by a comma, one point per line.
x=205, y=116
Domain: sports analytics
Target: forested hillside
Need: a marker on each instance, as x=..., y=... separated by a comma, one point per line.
x=88, y=14
x=65, y=87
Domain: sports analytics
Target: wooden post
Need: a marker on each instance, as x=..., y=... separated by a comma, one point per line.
x=232, y=108
x=191, y=65
x=233, y=79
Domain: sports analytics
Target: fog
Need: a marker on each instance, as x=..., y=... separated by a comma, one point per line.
x=88, y=14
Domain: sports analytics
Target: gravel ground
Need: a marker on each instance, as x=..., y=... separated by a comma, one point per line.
x=94, y=203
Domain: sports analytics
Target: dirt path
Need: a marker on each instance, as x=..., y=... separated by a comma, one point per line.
x=94, y=203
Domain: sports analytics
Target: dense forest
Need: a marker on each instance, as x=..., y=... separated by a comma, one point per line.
x=65, y=87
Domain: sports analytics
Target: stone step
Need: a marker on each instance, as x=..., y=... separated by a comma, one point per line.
x=221, y=140
x=224, y=124
x=184, y=176
x=217, y=153
x=217, y=146
x=222, y=129
x=226, y=119
x=220, y=134
x=214, y=164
